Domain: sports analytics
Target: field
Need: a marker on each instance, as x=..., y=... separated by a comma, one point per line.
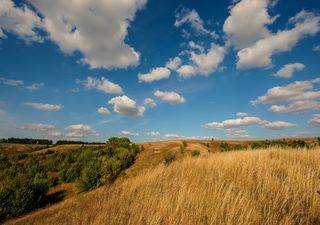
x=264, y=186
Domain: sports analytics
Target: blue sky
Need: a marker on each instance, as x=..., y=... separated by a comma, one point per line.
x=156, y=70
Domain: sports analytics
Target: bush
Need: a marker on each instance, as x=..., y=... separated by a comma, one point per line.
x=182, y=149
x=90, y=177
x=195, y=153
x=169, y=158
x=22, y=194
x=184, y=143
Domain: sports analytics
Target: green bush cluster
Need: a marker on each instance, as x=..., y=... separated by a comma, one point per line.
x=169, y=158
x=24, y=179
x=195, y=153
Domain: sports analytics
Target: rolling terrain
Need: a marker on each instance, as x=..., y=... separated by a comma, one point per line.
x=270, y=186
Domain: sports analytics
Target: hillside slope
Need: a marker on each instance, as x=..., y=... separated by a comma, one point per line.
x=246, y=187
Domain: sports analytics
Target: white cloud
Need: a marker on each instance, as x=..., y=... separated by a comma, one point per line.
x=21, y=21
x=241, y=114
x=54, y=134
x=236, y=134
x=104, y=111
x=126, y=106
x=129, y=134
x=172, y=97
x=44, y=106
x=299, y=96
x=259, y=54
x=278, y=125
x=203, y=63
x=248, y=22
x=153, y=133
x=174, y=136
x=296, y=107
x=228, y=125
x=315, y=121
x=287, y=70
x=196, y=46
x=38, y=127
x=34, y=87
x=80, y=130
x=149, y=102
x=96, y=29
x=173, y=64
x=11, y=82
x=155, y=74
x=103, y=85
x=192, y=18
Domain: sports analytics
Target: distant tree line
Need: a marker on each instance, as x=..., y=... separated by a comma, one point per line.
x=26, y=141
x=68, y=142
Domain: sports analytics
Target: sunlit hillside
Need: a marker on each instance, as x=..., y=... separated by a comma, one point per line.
x=272, y=186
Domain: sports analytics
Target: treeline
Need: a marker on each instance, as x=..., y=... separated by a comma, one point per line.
x=68, y=142
x=26, y=178
x=27, y=141
x=42, y=141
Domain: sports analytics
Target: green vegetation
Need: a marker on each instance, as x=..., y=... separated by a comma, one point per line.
x=195, y=153
x=26, y=141
x=184, y=143
x=25, y=180
x=169, y=158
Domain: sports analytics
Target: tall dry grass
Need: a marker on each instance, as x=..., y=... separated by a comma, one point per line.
x=247, y=187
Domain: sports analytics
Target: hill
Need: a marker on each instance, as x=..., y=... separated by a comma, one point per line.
x=273, y=186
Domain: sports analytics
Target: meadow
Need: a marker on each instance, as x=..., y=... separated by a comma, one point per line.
x=273, y=185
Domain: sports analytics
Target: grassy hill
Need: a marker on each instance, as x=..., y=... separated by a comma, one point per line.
x=271, y=186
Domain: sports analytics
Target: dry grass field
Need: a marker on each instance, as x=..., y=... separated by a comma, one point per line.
x=272, y=186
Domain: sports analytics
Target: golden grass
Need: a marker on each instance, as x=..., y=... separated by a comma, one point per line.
x=247, y=187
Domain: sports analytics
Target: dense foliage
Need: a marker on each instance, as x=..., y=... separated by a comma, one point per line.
x=26, y=141
x=26, y=178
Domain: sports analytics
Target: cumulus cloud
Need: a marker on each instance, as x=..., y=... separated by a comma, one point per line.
x=38, y=127
x=241, y=114
x=149, y=102
x=315, y=121
x=126, y=106
x=21, y=21
x=11, y=82
x=236, y=134
x=129, y=134
x=242, y=30
x=104, y=111
x=191, y=18
x=260, y=53
x=203, y=63
x=229, y=125
x=34, y=87
x=79, y=131
x=96, y=29
x=153, y=133
x=299, y=96
x=173, y=64
x=278, y=125
x=155, y=75
x=287, y=70
x=245, y=121
x=103, y=85
x=171, y=97
x=44, y=106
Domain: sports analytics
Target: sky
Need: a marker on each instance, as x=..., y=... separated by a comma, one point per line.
x=159, y=70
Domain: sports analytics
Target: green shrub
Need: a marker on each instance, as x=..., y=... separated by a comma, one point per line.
x=195, y=153
x=182, y=150
x=169, y=158
x=90, y=177
x=22, y=194
x=184, y=143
